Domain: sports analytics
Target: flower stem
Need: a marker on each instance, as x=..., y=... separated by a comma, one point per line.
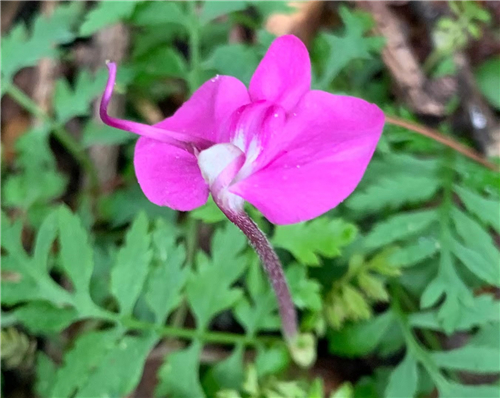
x=273, y=268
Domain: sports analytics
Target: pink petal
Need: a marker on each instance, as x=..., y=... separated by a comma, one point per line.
x=208, y=108
x=169, y=176
x=176, y=138
x=284, y=74
x=318, y=160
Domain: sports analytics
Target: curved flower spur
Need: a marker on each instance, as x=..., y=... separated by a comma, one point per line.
x=292, y=152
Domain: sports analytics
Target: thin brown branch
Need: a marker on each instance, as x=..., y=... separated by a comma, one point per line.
x=449, y=142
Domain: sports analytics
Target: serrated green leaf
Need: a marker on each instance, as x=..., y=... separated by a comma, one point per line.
x=38, y=181
x=372, y=287
x=41, y=317
x=355, y=303
x=87, y=353
x=121, y=368
x=160, y=62
x=352, y=340
x=159, y=13
x=454, y=390
x=471, y=358
x=228, y=373
x=486, y=209
x=259, y=312
x=410, y=189
x=475, y=237
x=44, y=241
x=76, y=254
x=168, y=278
x=483, y=310
x=322, y=236
x=413, y=253
x=400, y=227
x=69, y=102
x=488, y=80
x=271, y=360
x=106, y=13
x=131, y=267
x=349, y=47
x=215, y=9
x=209, y=288
x=209, y=213
x=305, y=292
x=477, y=264
x=21, y=49
x=179, y=375
x=235, y=60
x=121, y=206
x=404, y=379
x=45, y=375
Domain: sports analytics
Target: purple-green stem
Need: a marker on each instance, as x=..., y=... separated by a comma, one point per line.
x=273, y=268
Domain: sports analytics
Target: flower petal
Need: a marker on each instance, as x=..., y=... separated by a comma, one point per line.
x=169, y=176
x=318, y=161
x=175, y=138
x=208, y=108
x=284, y=74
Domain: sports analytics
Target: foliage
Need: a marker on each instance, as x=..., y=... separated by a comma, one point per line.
x=411, y=253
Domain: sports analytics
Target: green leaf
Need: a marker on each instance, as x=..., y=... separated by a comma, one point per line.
x=132, y=263
x=152, y=13
x=488, y=80
x=215, y=9
x=179, y=375
x=44, y=241
x=410, y=189
x=404, y=378
x=453, y=390
x=235, y=60
x=305, y=291
x=484, y=310
x=160, y=62
x=41, y=317
x=21, y=49
x=355, y=304
x=45, y=374
x=102, y=134
x=87, y=353
x=413, y=253
x=38, y=181
x=352, y=340
x=400, y=227
x=344, y=391
x=476, y=238
x=209, y=287
x=259, y=313
x=477, y=264
x=121, y=206
x=271, y=360
x=76, y=253
x=470, y=358
x=486, y=209
x=228, y=373
x=168, y=277
x=351, y=46
x=106, y=13
x=373, y=287
x=209, y=213
x=322, y=236
x=69, y=103
x=120, y=370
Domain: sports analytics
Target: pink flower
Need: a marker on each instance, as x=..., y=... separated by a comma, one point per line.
x=292, y=152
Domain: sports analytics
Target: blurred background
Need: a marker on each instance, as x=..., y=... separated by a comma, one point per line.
x=105, y=294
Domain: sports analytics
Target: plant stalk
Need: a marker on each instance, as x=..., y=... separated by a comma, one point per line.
x=273, y=268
